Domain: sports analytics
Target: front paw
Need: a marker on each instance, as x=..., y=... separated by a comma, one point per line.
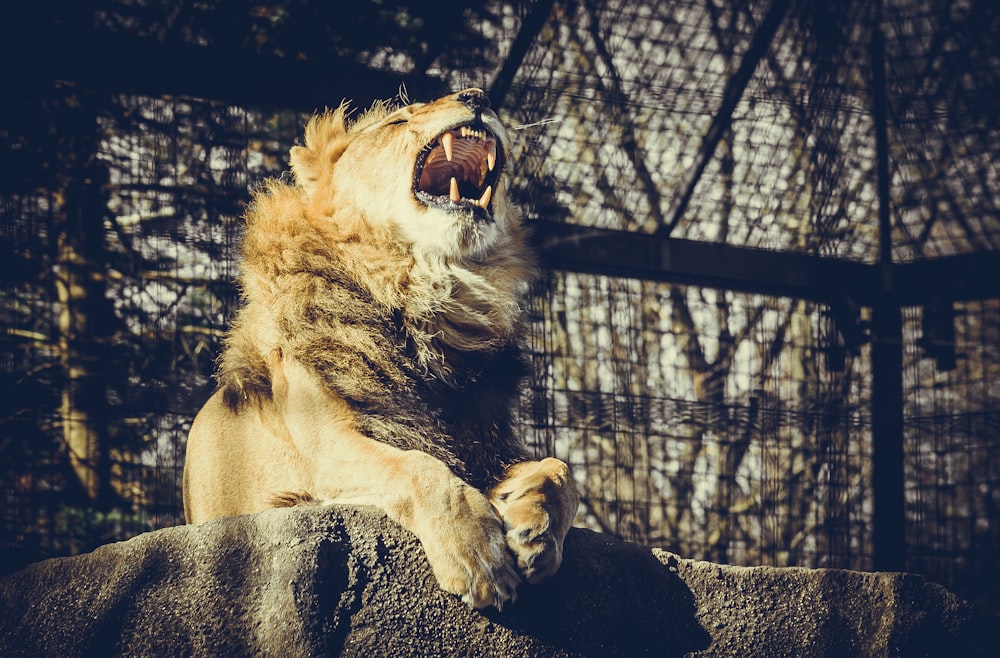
x=530, y=538
x=538, y=502
x=467, y=550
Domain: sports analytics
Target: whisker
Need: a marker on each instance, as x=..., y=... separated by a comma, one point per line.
x=543, y=122
x=403, y=95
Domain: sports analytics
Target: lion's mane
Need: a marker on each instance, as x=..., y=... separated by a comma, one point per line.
x=426, y=351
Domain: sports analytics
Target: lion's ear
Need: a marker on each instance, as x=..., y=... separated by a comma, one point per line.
x=326, y=139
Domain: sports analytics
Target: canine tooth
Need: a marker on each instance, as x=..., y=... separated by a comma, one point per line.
x=447, y=140
x=485, y=199
x=491, y=156
x=453, y=192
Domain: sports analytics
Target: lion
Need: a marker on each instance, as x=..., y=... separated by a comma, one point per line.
x=376, y=355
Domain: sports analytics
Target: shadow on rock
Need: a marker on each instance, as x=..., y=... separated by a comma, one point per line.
x=609, y=598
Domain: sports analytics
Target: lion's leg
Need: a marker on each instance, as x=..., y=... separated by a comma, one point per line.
x=538, y=501
x=461, y=533
x=237, y=460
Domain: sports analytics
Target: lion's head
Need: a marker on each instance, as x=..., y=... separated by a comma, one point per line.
x=431, y=171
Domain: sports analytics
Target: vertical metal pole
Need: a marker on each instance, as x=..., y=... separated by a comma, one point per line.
x=887, y=348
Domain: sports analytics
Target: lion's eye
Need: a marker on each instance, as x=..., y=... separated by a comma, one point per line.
x=397, y=119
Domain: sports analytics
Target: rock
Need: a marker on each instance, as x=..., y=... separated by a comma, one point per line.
x=767, y=611
x=327, y=581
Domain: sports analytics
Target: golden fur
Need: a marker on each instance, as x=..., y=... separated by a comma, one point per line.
x=376, y=357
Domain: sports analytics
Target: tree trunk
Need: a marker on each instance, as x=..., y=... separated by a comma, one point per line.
x=85, y=315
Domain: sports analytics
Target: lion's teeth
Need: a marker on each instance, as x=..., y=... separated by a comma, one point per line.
x=466, y=131
x=447, y=141
x=485, y=199
x=453, y=192
x=491, y=156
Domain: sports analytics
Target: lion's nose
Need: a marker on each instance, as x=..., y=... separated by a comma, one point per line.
x=474, y=98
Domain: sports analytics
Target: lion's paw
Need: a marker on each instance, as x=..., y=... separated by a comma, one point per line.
x=530, y=538
x=468, y=551
x=537, y=502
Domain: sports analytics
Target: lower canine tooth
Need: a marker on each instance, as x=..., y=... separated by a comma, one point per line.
x=485, y=199
x=453, y=192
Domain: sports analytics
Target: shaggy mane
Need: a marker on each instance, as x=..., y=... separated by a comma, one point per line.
x=390, y=330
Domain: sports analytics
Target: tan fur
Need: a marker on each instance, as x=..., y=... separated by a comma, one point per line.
x=375, y=358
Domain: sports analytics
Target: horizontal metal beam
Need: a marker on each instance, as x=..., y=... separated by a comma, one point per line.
x=800, y=276
x=122, y=63
x=957, y=278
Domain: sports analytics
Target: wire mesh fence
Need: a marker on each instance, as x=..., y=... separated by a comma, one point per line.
x=732, y=424
x=714, y=423
x=952, y=425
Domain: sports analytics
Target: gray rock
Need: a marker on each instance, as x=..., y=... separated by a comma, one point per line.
x=326, y=581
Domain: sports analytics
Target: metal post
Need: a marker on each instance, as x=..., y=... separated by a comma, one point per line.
x=887, y=349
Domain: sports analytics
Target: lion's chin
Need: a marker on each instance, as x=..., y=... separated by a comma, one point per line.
x=451, y=233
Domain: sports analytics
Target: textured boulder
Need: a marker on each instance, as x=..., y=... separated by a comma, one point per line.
x=326, y=581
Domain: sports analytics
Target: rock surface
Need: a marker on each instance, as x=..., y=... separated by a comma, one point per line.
x=327, y=581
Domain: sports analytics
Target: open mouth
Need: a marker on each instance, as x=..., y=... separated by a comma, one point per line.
x=459, y=169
